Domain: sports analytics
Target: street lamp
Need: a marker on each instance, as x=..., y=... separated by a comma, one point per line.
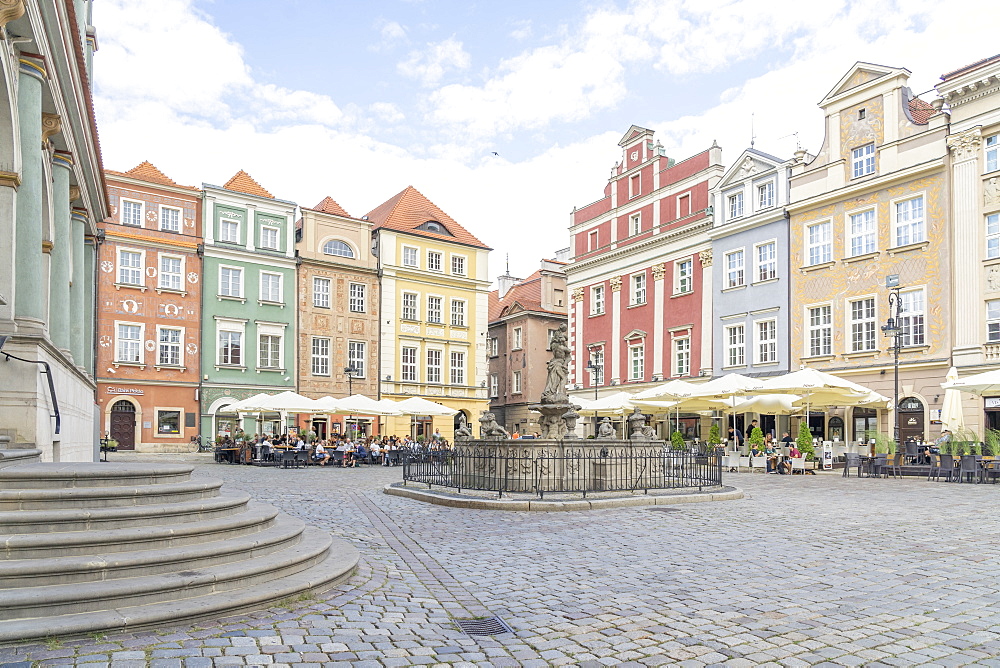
x=894, y=328
x=350, y=371
x=593, y=369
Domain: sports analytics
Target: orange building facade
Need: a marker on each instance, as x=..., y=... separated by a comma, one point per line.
x=149, y=312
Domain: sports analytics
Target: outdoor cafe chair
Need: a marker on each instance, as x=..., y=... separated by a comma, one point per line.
x=911, y=451
x=894, y=466
x=798, y=465
x=851, y=460
x=743, y=463
x=968, y=468
x=877, y=465
x=941, y=464
x=758, y=463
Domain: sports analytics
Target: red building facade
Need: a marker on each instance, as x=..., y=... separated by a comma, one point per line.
x=640, y=279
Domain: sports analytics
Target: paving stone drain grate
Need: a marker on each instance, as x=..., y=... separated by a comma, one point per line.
x=484, y=626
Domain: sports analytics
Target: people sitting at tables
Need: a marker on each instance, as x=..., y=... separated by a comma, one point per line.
x=349, y=450
x=786, y=440
x=320, y=455
x=360, y=454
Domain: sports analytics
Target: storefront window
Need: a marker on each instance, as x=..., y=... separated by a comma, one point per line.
x=168, y=422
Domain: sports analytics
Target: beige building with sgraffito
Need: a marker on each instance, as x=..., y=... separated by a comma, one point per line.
x=338, y=296
x=873, y=203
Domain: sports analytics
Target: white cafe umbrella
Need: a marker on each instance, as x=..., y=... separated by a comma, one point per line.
x=248, y=405
x=952, y=416
x=987, y=382
x=287, y=402
x=728, y=388
x=358, y=404
x=669, y=391
x=769, y=404
x=421, y=406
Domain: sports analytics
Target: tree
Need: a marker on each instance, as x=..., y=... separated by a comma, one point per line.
x=804, y=441
x=714, y=438
x=677, y=440
x=757, y=438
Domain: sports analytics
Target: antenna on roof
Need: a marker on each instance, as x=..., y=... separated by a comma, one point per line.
x=798, y=146
x=508, y=264
x=752, y=135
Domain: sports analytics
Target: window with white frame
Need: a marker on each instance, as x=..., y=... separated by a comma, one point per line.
x=230, y=282
x=597, y=300
x=518, y=338
x=410, y=258
x=819, y=243
x=992, y=146
x=735, y=338
x=820, y=322
x=408, y=363
x=637, y=361
x=320, y=360
x=321, y=292
x=684, y=273
x=457, y=368
x=494, y=385
x=767, y=341
x=634, y=224
x=682, y=356
x=458, y=312
x=911, y=319
x=458, y=265
x=409, y=306
x=639, y=288
x=993, y=235
x=131, y=213
x=735, y=264
x=356, y=357
x=170, y=219
x=269, y=351
x=169, y=346
x=433, y=261
x=270, y=287
x=356, y=297
x=230, y=347
x=735, y=205
x=592, y=240
x=229, y=231
x=767, y=260
x=765, y=195
x=861, y=232
x=493, y=346
x=128, y=347
x=171, y=272
x=993, y=320
x=910, y=227
x=863, y=324
x=597, y=357
x=269, y=238
x=515, y=385
x=634, y=186
x=863, y=160
x=338, y=248
x=129, y=267
x=434, y=310
x=433, y=366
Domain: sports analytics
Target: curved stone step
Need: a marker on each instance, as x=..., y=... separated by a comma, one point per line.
x=89, y=597
x=27, y=573
x=19, y=456
x=91, y=474
x=86, y=519
x=334, y=565
x=103, y=497
x=109, y=541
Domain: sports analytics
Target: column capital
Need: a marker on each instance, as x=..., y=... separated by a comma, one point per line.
x=80, y=215
x=51, y=125
x=706, y=258
x=62, y=159
x=32, y=64
x=10, y=10
x=10, y=179
x=616, y=283
x=659, y=270
x=965, y=145
x=74, y=193
x=577, y=295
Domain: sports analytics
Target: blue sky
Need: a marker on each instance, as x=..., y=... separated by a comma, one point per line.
x=358, y=100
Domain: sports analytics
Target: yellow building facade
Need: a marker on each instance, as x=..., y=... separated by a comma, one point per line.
x=434, y=313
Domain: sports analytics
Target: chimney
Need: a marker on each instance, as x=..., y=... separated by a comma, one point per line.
x=505, y=282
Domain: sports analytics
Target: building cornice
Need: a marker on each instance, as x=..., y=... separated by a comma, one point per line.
x=879, y=183
x=663, y=238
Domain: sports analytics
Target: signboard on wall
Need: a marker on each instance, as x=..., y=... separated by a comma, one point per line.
x=992, y=402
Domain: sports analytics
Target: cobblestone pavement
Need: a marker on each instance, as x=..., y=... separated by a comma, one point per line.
x=805, y=570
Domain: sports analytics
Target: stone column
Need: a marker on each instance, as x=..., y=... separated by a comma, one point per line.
x=78, y=293
x=966, y=222
x=659, y=302
x=29, y=304
x=707, y=286
x=616, y=332
x=89, y=301
x=62, y=257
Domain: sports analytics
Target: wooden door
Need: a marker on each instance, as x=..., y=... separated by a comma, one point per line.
x=123, y=425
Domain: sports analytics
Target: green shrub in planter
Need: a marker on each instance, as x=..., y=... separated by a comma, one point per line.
x=804, y=441
x=991, y=443
x=677, y=440
x=756, y=438
x=714, y=438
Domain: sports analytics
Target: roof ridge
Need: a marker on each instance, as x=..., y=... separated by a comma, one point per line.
x=242, y=182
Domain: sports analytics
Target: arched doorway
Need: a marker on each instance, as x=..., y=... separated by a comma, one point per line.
x=458, y=418
x=911, y=419
x=122, y=426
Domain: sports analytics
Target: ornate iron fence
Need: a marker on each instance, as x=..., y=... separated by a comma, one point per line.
x=538, y=469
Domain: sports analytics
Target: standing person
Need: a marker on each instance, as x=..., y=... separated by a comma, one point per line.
x=736, y=436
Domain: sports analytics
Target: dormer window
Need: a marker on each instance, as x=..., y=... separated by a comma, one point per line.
x=435, y=227
x=339, y=248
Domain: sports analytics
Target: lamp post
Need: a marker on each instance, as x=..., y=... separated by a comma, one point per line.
x=350, y=371
x=894, y=328
x=594, y=369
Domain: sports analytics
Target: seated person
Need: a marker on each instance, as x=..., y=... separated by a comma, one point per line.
x=320, y=455
x=361, y=454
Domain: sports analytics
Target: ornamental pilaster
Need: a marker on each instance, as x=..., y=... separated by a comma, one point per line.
x=51, y=126
x=659, y=271
x=706, y=258
x=577, y=295
x=965, y=145
x=616, y=283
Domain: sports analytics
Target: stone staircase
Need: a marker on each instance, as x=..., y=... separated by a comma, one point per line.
x=12, y=456
x=88, y=547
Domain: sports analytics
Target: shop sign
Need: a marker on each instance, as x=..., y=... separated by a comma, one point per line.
x=125, y=390
x=993, y=402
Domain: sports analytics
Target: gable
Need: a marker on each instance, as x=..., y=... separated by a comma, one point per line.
x=746, y=166
x=634, y=134
x=859, y=76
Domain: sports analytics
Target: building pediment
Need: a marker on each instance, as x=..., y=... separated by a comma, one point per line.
x=859, y=77
x=634, y=133
x=748, y=165
x=635, y=334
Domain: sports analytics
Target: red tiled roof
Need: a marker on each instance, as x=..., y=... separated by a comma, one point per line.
x=244, y=183
x=527, y=293
x=147, y=171
x=920, y=111
x=328, y=205
x=970, y=67
x=409, y=210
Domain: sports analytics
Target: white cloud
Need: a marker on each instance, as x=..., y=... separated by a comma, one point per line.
x=522, y=29
x=391, y=33
x=432, y=64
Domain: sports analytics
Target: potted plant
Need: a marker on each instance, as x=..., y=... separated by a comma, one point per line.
x=714, y=437
x=991, y=443
x=757, y=439
x=677, y=440
x=804, y=441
